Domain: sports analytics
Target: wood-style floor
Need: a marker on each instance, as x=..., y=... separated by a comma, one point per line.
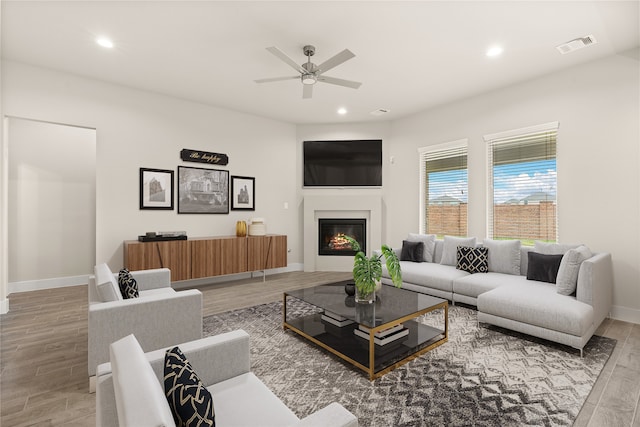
x=43, y=354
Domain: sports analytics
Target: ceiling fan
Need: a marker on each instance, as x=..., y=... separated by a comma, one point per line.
x=311, y=73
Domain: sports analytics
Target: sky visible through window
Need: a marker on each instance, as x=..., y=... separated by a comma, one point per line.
x=512, y=182
x=520, y=180
x=451, y=183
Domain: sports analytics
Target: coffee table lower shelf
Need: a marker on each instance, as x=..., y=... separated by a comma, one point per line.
x=342, y=342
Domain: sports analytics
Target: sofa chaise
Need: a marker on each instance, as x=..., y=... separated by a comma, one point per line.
x=505, y=297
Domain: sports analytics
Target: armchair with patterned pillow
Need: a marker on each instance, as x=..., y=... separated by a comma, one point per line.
x=206, y=382
x=158, y=317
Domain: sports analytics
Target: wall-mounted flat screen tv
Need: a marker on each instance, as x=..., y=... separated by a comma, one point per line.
x=352, y=163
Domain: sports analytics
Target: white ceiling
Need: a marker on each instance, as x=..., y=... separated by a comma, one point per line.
x=409, y=55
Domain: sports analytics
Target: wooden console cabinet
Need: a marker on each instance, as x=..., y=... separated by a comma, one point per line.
x=208, y=256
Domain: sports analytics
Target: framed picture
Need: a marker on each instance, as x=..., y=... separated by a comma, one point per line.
x=243, y=193
x=156, y=189
x=203, y=191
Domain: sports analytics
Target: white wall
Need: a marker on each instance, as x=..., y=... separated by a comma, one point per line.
x=141, y=129
x=598, y=160
x=51, y=200
x=596, y=104
x=4, y=211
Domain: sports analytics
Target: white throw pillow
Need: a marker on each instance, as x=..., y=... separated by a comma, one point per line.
x=106, y=285
x=429, y=241
x=140, y=398
x=504, y=255
x=450, y=248
x=552, y=248
x=567, y=279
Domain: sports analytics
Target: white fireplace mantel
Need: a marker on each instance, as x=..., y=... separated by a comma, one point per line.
x=354, y=206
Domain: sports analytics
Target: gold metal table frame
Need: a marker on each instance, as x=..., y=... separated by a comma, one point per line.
x=370, y=370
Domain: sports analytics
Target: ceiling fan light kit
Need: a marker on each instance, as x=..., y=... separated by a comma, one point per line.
x=311, y=73
x=308, y=79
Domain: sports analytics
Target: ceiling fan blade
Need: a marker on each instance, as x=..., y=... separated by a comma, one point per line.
x=307, y=91
x=283, y=56
x=335, y=60
x=339, y=82
x=276, y=79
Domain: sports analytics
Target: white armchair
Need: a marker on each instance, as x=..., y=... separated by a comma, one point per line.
x=130, y=387
x=159, y=317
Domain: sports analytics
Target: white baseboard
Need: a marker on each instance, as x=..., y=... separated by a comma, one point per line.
x=625, y=314
x=231, y=277
x=4, y=306
x=60, y=282
x=56, y=282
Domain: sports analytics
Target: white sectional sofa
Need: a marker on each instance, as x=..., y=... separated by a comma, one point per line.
x=510, y=300
x=130, y=388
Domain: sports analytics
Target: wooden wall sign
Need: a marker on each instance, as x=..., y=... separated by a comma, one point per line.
x=198, y=156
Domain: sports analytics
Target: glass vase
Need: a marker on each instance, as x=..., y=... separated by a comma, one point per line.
x=365, y=296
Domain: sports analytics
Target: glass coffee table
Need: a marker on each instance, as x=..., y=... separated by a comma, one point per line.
x=377, y=337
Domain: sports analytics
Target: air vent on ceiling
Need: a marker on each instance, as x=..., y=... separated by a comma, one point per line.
x=380, y=111
x=576, y=44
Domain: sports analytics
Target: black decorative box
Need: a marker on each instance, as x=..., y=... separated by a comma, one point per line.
x=160, y=238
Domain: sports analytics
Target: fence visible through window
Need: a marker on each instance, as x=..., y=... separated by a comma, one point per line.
x=523, y=184
x=444, y=186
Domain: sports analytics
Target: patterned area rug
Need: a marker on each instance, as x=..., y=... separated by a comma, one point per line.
x=482, y=376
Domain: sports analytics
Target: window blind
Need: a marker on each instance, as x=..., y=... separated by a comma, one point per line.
x=523, y=181
x=444, y=184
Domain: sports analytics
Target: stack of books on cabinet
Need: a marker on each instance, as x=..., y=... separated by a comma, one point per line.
x=384, y=337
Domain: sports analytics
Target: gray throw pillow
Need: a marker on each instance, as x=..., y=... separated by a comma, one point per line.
x=552, y=248
x=450, y=248
x=429, y=241
x=567, y=279
x=504, y=255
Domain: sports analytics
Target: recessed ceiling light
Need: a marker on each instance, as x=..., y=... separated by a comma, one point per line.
x=494, y=51
x=104, y=42
x=342, y=111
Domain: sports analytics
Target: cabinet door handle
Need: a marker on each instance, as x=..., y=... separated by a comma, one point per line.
x=266, y=260
x=159, y=254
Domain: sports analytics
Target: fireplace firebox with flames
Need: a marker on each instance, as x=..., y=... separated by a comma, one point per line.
x=331, y=234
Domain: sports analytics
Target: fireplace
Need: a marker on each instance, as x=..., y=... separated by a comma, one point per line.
x=331, y=230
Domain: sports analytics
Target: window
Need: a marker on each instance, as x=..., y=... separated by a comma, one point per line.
x=443, y=189
x=522, y=179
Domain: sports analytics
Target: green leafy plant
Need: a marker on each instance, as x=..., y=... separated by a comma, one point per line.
x=368, y=270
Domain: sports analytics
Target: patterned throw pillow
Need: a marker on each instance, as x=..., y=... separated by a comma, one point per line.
x=128, y=285
x=472, y=260
x=190, y=401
